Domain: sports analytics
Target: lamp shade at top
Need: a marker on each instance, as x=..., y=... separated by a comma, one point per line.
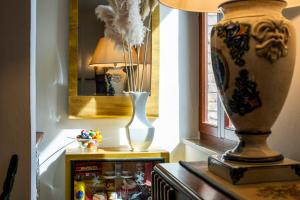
x=193, y=5
x=208, y=5
x=107, y=55
x=293, y=3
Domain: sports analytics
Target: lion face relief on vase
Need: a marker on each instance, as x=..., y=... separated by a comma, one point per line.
x=272, y=37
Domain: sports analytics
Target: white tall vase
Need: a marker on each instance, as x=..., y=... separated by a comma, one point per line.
x=139, y=130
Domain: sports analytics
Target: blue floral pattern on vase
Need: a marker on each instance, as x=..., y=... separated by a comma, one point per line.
x=110, y=89
x=236, y=37
x=220, y=68
x=245, y=97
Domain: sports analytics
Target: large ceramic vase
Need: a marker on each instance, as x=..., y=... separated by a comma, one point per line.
x=253, y=55
x=139, y=130
x=115, y=81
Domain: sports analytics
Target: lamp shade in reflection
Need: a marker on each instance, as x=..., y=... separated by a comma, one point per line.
x=208, y=5
x=107, y=54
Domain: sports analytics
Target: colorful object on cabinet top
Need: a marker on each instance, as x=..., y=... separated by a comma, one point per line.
x=89, y=139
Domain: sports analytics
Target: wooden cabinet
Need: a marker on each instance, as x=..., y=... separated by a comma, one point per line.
x=110, y=172
x=171, y=182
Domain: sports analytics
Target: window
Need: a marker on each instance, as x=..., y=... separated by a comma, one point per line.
x=213, y=119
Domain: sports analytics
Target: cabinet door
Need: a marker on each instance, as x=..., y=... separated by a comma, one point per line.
x=112, y=178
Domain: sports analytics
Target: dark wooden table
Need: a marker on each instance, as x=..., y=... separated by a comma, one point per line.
x=172, y=181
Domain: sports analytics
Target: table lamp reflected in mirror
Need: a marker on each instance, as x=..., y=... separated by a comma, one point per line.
x=110, y=68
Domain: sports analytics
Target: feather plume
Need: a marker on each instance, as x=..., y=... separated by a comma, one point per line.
x=124, y=24
x=153, y=4
x=114, y=5
x=107, y=15
x=121, y=17
x=145, y=9
x=129, y=21
x=136, y=29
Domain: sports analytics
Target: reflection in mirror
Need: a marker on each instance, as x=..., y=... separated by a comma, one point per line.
x=102, y=69
x=89, y=95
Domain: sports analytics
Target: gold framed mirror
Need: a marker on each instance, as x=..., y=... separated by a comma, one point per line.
x=84, y=33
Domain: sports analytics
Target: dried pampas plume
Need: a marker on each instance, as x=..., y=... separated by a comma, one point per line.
x=153, y=4
x=121, y=9
x=136, y=29
x=129, y=21
x=107, y=15
x=124, y=24
x=147, y=6
x=113, y=4
x=145, y=9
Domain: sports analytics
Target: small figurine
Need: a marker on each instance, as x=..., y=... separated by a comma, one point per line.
x=79, y=189
x=128, y=184
x=100, y=196
x=139, y=174
x=135, y=196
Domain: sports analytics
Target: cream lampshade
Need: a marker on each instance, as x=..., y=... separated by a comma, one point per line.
x=207, y=5
x=293, y=3
x=108, y=57
x=107, y=54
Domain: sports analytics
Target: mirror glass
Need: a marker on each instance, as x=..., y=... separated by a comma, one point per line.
x=110, y=76
x=96, y=88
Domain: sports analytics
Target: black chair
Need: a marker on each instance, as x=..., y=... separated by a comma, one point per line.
x=10, y=177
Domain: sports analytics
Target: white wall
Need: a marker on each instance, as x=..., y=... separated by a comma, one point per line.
x=16, y=136
x=178, y=90
x=286, y=135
